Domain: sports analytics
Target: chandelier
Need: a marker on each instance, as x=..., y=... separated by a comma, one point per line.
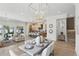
x=39, y=10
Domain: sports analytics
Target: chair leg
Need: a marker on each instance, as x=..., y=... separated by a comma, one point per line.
x=52, y=54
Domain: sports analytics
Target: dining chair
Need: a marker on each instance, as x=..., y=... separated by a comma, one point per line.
x=12, y=53
x=52, y=48
x=48, y=50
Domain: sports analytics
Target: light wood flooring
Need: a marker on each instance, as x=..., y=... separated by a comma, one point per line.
x=64, y=49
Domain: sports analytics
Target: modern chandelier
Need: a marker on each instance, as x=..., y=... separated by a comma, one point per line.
x=40, y=11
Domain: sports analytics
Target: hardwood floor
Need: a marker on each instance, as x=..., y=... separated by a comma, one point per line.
x=5, y=50
x=64, y=49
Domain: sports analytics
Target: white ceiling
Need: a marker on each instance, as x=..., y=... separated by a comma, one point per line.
x=22, y=12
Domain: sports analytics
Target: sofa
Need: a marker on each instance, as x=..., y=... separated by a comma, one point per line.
x=18, y=38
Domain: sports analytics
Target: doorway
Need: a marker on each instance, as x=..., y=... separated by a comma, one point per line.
x=65, y=48
x=61, y=29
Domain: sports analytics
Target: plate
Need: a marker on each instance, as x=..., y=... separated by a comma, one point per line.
x=41, y=45
x=28, y=46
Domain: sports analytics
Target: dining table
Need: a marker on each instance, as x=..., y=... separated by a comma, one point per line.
x=35, y=50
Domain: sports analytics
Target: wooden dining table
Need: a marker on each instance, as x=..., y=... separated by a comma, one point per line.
x=35, y=50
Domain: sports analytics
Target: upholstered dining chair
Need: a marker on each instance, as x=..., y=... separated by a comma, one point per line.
x=48, y=50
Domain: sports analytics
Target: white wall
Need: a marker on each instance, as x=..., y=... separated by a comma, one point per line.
x=77, y=29
x=52, y=36
x=52, y=20
x=10, y=22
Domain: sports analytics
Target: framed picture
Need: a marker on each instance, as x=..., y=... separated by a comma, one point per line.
x=51, y=31
x=50, y=25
